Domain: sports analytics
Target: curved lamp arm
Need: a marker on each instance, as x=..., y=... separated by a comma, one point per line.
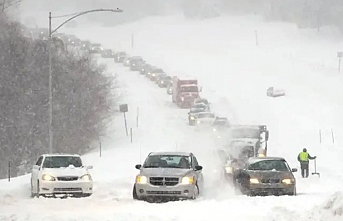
x=85, y=12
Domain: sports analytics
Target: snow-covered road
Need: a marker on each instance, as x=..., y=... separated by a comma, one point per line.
x=234, y=75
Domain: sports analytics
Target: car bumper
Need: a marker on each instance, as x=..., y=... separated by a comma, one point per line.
x=179, y=191
x=278, y=189
x=65, y=187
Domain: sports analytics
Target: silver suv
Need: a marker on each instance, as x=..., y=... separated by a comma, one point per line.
x=175, y=175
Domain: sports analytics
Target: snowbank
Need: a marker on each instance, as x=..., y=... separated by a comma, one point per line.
x=335, y=205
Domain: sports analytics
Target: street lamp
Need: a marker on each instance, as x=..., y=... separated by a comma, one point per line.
x=50, y=60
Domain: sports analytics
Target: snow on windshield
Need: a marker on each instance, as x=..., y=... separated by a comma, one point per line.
x=278, y=165
x=62, y=161
x=168, y=161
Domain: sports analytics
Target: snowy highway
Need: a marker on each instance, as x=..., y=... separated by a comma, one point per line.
x=234, y=74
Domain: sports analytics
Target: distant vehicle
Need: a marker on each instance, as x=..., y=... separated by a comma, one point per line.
x=159, y=77
x=272, y=92
x=145, y=68
x=154, y=73
x=171, y=175
x=220, y=126
x=164, y=81
x=185, y=92
x=266, y=176
x=195, y=109
x=107, y=53
x=127, y=61
x=96, y=48
x=119, y=56
x=136, y=65
x=204, y=119
x=148, y=70
x=55, y=174
x=86, y=45
x=170, y=88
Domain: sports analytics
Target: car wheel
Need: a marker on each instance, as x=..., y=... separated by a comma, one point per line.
x=195, y=192
x=134, y=193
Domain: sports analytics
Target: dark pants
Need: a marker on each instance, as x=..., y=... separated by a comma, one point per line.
x=304, y=169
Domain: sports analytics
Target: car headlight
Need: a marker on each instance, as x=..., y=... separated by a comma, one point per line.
x=192, y=118
x=149, y=73
x=47, y=177
x=254, y=181
x=133, y=65
x=86, y=177
x=199, y=122
x=214, y=129
x=228, y=169
x=161, y=82
x=261, y=155
x=153, y=75
x=187, y=180
x=288, y=181
x=182, y=98
x=141, y=179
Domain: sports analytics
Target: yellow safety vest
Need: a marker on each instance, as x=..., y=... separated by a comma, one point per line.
x=303, y=156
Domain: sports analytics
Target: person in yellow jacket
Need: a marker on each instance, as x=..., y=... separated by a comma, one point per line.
x=304, y=158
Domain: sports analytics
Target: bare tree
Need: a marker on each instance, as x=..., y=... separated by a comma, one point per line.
x=5, y=4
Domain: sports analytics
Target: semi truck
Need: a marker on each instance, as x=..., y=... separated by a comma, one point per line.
x=184, y=92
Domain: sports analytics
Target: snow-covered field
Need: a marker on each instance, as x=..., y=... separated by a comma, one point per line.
x=235, y=74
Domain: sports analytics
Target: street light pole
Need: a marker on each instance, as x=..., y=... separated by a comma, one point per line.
x=50, y=88
x=50, y=61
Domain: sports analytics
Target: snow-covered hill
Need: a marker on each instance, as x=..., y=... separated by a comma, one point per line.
x=235, y=74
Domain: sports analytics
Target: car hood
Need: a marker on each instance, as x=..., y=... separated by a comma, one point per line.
x=69, y=171
x=270, y=174
x=165, y=171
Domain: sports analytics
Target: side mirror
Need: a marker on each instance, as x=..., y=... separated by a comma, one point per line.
x=138, y=166
x=197, y=168
x=35, y=167
x=89, y=167
x=267, y=135
x=294, y=170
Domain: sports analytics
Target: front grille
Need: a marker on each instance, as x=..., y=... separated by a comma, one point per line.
x=270, y=181
x=67, y=190
x=67, y=178
x=164, y=181
x=164, y=192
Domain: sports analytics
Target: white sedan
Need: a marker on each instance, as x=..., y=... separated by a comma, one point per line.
x=55, y=174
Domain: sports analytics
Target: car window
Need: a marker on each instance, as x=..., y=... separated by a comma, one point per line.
x=167, y=161
x=277, y=165
x=62, y=161
x=39, y=161
x=195, y=162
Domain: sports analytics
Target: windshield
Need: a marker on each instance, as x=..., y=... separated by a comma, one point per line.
x=245, y=133
x=209, y=115
x=168, y=161
x=62, y=161
x=220, y=123
x=278, y=165
x=192, y=88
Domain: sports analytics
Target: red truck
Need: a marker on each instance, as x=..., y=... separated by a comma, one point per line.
x=184, y=92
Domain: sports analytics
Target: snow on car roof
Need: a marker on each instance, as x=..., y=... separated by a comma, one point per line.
x=258, y=159
x=170, y=153
x=189, y=85
x=60, y=154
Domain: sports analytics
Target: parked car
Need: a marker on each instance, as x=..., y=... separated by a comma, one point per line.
x=55, y=174
x=171, y=175
x=272, y=92
x=266, y=176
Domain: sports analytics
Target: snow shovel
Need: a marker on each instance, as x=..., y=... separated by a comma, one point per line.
x=315, y=168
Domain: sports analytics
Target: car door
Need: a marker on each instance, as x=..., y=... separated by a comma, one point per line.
x=199, y=175
x=35, y=171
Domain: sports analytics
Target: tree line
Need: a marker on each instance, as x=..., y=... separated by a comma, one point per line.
x=83, y=99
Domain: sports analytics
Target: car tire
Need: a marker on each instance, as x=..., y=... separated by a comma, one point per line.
x=134, y=193
x=86, y=195
x=196, y=192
